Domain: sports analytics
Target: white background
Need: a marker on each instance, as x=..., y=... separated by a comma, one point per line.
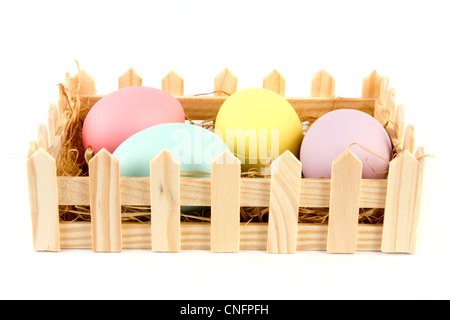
x=405, y=40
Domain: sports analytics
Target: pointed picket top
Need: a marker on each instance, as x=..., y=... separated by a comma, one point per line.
x=32, y=148
x=129, y=79
x=409, y=138
x=371, y=85
x=165, y=200
x=284, y=203
x=274, y=81
x=103, y=155
x=225, y=83
x=172, y=83
x=82, y=84
x=346, y=178
x=322, y=84
x=420, y=155
x=226, y=157
x=42, y=138
x=346, y=159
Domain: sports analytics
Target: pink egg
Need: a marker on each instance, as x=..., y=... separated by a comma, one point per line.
x=124, y=112
x=334, y=132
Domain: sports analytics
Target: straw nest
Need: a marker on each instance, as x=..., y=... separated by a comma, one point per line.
x=71, y=161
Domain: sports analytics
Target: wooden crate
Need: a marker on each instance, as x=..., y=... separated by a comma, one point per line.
x=225, y=191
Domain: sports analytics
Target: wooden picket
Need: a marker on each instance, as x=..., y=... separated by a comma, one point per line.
x=129, y=79
x=104, y=190
x=322, y=85
x=225, y=203
x=284, y=203
x=402, y=204
x=43, y=193
x=165, y=200
x=226, y=191
x=274, y=81
x=173, y=84
x=344, y=203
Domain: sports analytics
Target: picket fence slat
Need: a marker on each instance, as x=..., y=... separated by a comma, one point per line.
x=403, y=201
x=165, y=197
x=284, y=203
x=106, y=219
x=344, y=203
x=129, y=78
x=225, y=203
x=43, y=194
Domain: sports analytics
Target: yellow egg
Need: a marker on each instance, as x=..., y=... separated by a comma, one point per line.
x=258, y=124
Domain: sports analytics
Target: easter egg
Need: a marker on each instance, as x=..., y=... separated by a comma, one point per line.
x=334, y=132
x=257, y=124
x=124, y=112
x=194, y=146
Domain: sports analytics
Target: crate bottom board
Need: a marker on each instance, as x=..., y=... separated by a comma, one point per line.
x=197, y=236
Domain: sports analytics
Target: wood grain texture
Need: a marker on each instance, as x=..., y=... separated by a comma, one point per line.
x=322, y=84
x=314, y=193
x=104, y=181
x=129, y=79
x=225, y=203
x=275, y=82
x=172, y=83
x=43, y=194
x=403, y=200
x=344, y=203
x=165, y=199
x=225, y=83
x=284, y=204
x=207, y=107
x=197, y=236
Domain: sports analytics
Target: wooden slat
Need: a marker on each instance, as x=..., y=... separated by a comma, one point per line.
x=409, y=139
x=53, y=123
x=225, y=83
x=129, y=79
x=371, y=87
x=43, y=193
x=322, y=84
x=274, y=81
x=284, y=202
x=82, y=84
x=172, y=83
x=42, y=137
x=225, y=203
x=32, y=148
x=314, y=193
x=399, y=123
x=165, y=199
x=207, y=107
x=344, y=203
x=104, y=178
x=402, y=204
x=196, y=236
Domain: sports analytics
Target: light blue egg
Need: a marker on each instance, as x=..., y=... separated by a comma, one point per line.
x=194, y=146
